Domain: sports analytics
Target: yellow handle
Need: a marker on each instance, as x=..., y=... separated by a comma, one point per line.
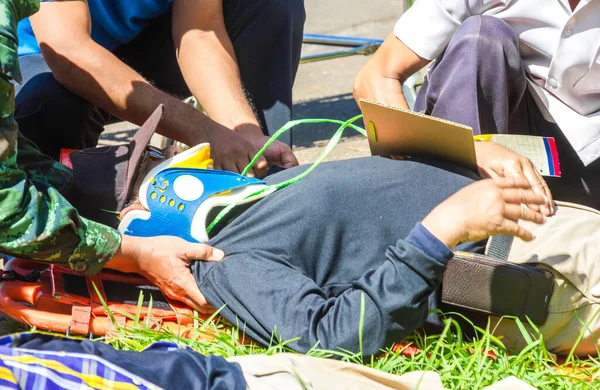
x=483, y=137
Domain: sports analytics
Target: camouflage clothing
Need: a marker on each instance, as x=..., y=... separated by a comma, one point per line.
x=36, y=221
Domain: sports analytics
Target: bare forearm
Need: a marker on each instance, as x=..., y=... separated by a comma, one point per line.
x=217, y=87
x=208, y=63
x=99, y=77
x=382, y=77
x=124, y=259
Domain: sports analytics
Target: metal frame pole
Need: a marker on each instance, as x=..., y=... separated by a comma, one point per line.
x=356, y=46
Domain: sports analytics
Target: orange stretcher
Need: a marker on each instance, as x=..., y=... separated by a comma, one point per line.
x=54, y=298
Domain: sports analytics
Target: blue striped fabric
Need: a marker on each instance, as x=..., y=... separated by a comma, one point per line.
x=33, y=369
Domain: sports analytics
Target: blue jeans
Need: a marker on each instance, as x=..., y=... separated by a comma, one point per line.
x=267, y=38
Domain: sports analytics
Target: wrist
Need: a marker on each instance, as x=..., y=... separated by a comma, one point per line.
x=125, y=259
x=429, y=244
x=249, y=129
x=388, y=59
x=447, y=231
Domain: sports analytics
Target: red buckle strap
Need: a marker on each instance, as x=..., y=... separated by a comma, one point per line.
x=65, y=157
x=120, y=321
x=80, y=321
x=111, y=328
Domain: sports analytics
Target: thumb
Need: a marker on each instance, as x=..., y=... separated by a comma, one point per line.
x=288, y=159
x=204, y=252
x=193, y=297
x=261, y=163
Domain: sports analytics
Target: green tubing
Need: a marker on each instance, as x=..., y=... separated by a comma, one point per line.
x=272, y=188
x=295, y=123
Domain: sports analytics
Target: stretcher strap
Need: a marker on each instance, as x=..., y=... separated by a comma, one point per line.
x=80, y=319
x=97, y=281
x=120, y=322
x=499, y=247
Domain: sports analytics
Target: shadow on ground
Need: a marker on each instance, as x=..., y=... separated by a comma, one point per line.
x=340, y=107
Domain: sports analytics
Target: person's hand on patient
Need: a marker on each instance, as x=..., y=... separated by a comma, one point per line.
x=233, y=150
x=277, y=153
x=497, y=161
x=486, y=208
x=165, y=261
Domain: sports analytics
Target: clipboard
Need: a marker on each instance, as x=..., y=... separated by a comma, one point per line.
x=394, y=131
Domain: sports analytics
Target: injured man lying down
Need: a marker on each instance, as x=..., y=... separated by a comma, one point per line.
x=370, y=235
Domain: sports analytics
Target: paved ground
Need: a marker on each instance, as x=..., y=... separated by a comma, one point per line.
x=324, y=89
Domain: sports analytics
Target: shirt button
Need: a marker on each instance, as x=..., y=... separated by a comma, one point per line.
x=552, y=83
x=568, y=30
x=79, y=266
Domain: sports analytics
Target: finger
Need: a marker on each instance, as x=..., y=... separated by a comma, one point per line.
x=193, y=295
x=229, y=165
x=188, y=302
x=512, y=182
x=259, y=169
x=522, y=195
x=241, y=164
x=496, y=169
x=288, y=159
x=488, y=173
x=539, y=185
x=514, y=229
x=515, y=170
x=549, y=196
x=217, y=165
x=521, y=212
x=186, y=290
x=203, y=252
x=261, y=163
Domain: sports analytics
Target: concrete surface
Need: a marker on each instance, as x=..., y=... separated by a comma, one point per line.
x=324, y=89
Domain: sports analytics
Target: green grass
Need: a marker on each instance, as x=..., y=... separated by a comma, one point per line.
x=462, y=363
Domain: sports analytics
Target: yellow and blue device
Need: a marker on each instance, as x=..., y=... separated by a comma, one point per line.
x=180, y=193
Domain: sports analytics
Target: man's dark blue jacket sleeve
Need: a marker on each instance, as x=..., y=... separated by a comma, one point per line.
x=291, y=305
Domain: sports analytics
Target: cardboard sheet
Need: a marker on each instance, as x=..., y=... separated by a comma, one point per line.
x=394, y=131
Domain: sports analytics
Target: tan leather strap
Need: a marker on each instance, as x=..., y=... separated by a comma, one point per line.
x=80, y=319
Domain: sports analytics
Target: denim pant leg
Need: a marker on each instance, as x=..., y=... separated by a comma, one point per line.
x=52, y=116
x=267, y=39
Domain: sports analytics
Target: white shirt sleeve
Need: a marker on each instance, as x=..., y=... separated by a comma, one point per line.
x=427, y=27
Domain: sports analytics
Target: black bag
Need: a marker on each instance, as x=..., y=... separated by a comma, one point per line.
x=489, y=284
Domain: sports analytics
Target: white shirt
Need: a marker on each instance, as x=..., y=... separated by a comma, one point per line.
x=560, y=51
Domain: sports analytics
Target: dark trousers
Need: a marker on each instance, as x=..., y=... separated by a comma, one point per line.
x=480, y=81
x=267, y=38
x=167, y=368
